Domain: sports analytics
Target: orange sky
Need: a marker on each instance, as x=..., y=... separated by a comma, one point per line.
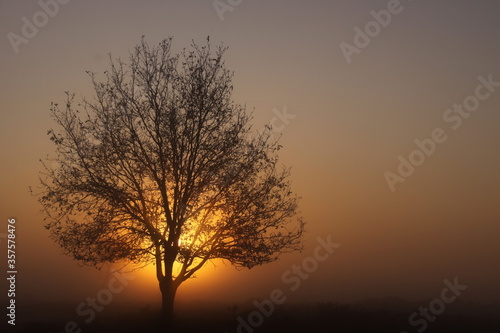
x=352, y=122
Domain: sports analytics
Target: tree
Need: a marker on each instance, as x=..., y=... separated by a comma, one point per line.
x=162, y=167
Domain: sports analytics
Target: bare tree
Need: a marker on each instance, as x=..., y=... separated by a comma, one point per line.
x=161, y=166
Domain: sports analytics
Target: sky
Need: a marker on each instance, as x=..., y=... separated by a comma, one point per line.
x=387, y=165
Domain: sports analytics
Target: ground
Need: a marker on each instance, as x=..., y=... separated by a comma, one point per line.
x=313, y=318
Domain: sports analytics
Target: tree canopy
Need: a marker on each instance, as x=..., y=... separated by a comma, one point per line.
x=161, y=166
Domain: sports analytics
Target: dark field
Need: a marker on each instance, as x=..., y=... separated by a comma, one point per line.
x=390, y=315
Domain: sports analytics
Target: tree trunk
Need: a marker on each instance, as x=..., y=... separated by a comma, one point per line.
x=168, y=290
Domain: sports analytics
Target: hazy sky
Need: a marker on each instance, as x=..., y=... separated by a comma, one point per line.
x=352, y=123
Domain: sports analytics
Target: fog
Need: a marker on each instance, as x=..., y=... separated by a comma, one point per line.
x=356, y=120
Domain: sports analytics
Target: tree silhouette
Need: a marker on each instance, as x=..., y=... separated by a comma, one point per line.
x=161, y=166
